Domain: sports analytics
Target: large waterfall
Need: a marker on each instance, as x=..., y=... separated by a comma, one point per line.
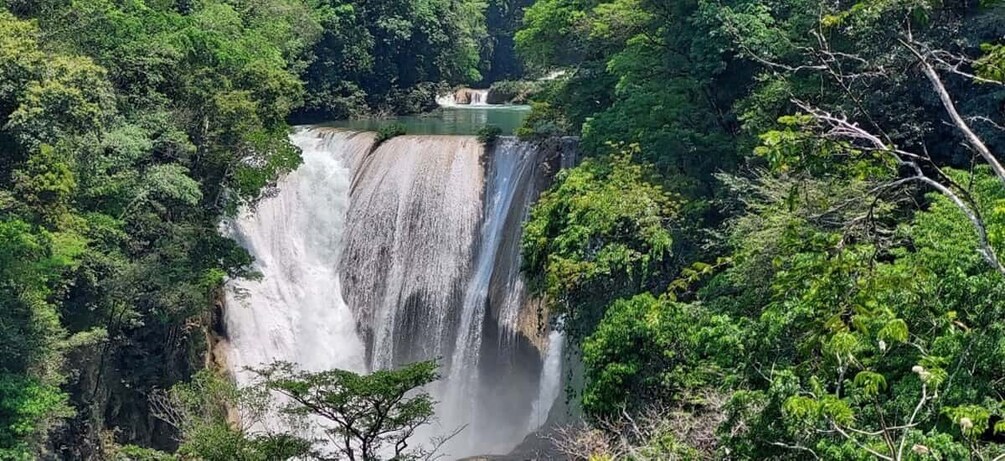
x=376, y=256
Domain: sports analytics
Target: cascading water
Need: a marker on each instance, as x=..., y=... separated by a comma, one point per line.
x=295, y=312
x=512, y=163
x=551, y=381
x=464, y=97
x=479, y=97
x=416, y=204
x=420, y=237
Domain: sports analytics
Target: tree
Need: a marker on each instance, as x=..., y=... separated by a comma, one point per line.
x=31, y=337
x=841, y=316
x=600, y=233
x=203, y=410
x=365, y=416
x=391, y=56
x=858, y=129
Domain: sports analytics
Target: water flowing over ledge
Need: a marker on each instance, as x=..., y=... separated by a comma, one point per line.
x=464, y=97
x=376, y=256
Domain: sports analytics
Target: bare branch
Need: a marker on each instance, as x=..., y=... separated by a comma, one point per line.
x=972, y=139
x=860, y=444
x=842, y=128
x=437, y=443
x=954, y=63
x=981, y=118
x=797, y=447
x=910, y=422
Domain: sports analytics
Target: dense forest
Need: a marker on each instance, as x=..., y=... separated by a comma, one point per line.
x=783, y=240
x=128, y=129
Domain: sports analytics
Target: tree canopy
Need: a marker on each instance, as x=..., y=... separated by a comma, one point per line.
x=128, y=130
x=835, y=168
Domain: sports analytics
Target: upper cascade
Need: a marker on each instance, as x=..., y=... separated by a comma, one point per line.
x=464, y=97
x=375, y=256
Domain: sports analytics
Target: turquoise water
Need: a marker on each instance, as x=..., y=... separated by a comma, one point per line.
x=447, y=120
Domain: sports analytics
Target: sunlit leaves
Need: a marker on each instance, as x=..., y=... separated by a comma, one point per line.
x=71, y=96
x=602, y=225
x=126, y=128
x=27, y=409
x=646, y=349
x=811, y=410
x=551, y=33
x=47, y=183
x=171, y=182
x=991, y=65
x=894, y=330
x=21, y=59
x=796, y=146
x=870, y=382
x=362, y=413
x=972, y=420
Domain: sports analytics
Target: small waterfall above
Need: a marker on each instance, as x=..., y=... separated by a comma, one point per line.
x=377, y=256
x=464, y=97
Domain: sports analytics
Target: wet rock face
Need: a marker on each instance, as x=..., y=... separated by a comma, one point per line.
x=462, y=96
x=470, y=96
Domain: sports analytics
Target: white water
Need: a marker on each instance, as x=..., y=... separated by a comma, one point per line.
x=295, y=312
x=511, y=162
x=416, y=205
x=474, y=98
x=551, y=381
x=376, y=258
x=479, y=97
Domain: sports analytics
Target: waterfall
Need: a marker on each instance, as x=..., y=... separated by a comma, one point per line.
x=295, y=312
x=511, y=164
x=416, y=205
x=551, y=381
x=373, y=258
x=479, y=97
x=464, y=97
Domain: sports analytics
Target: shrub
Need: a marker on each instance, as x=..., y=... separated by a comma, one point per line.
x=513, y=92
x=489, y=134
x=544, y=121
x=389, y=131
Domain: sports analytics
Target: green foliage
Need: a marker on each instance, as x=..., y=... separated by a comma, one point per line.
x=366, y=415
x=46, y=183
x=600, y=232
x=499, y=60
x=841, y=314
x=327, y=414
x=639, y=78
x=126, y=136
x=389, y=56
x=202, y=410
x=513, y=92
x=647, y=351
x=549, y=27
x=544, y=121
x=390, y=131
x=27, y=409
x=991, y=65
x=489, y=134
